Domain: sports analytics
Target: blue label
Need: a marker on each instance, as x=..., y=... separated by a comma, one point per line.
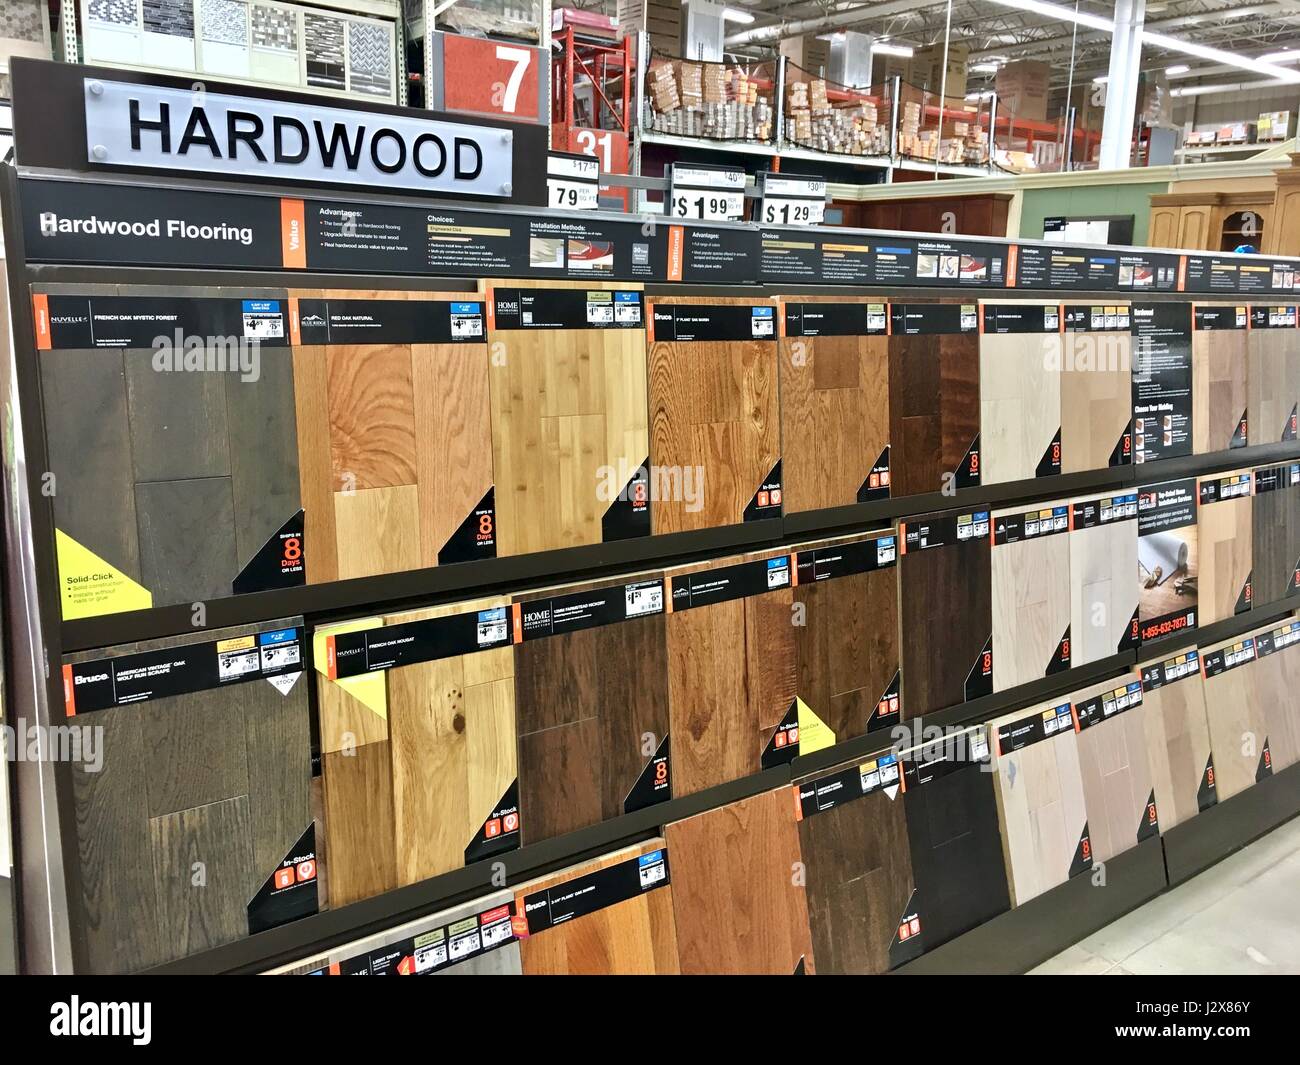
x=980, y=515
x=627, y=297
x=261, y=306
x=762, y=312
x=467, y=308
x=653, y=858
x=893, y=251
x=495, y=614
x=886, y=541
x=279, y=636
x=779, y=563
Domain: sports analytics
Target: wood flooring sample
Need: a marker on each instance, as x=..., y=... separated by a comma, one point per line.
x=1277, y=679
x=1178, y=737
x=847, y=650
x=591, y=700
x=1030, y=565
x=182, y=825
x=1118, y=792
x=568, y=399
x=1224, y=540
x=1238, y=725
x=1103, y=559
x=834, y=402
x=714, y=419
x=1096, y=388
x=1040, y=798
x=934, y=397
x=739, y=908
x=1272, y=374
x=945, y=609
x=1021, y=346
x=632, y=933
x=1275, y=527
x=1219, y=391
x=394, y=430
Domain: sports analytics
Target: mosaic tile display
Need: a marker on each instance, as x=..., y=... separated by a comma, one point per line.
x=20, y=20
x=113, y=12
x=224, y=21
x=369, y=57
x=324, y=37
x=275, y=27
x=172, y=17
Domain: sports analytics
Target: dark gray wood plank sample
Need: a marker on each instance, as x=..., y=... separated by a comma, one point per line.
x=193, y=760
x=278, y=744
x=178, y=421
x=186, y=551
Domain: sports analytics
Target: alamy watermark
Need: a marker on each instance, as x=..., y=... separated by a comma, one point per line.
x=677, y=484
x=188, y=353
x=26, y=741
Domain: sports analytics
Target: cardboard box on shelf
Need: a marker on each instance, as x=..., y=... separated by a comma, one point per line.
x=1273, y=126
x=1022, y=89
x=925, y=70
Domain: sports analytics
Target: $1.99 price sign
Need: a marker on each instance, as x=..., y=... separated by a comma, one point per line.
x=792, y=200
x=711, y=194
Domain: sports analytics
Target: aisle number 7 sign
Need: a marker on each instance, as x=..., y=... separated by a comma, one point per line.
x=477, y=76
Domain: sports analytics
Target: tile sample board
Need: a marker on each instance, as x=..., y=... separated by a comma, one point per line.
x=834, y=401
x=1030, y=567
x=1219, y=394
x=1103, y=559
x=1021, y=348
x=169, y=420
x=847, y=656
x=1224, y=539
x=1039, y=788
x=1118, y=790
x=1272, y=374
x=853, y=838
x=945, y=609
x=1238, y=724
x=1096, y=387
x=204, y=757
x=591, y=703
x=934, y=396
x=738, y=909
x=953, y=833
x=1277, y=679
x=715, y=426
x=1169, y=564
x=612, y=916
x=394, y=432
x=1275, y=526
x=1178, y=737
x=568, y=399
x=731, y=669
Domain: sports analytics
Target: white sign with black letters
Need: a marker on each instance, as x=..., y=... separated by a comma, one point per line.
x=572, y=181
x=712, y=194
x=792, y=200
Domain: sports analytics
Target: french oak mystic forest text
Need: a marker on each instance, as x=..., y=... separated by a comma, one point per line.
x=738, y=907
x=1275, y=522
x=1031, y=594
x=1272, y=382
x=1096, y=393
x=1177, y=739
x=1224, y=539
x=1219, y=389
x=220, y=776
x=1277, y=678
x=1103, y=559
x=1020, y=399
x=1237, y=723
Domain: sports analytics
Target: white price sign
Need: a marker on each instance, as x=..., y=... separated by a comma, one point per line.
x=573, y=181
x=790, y=200
x=711, y=194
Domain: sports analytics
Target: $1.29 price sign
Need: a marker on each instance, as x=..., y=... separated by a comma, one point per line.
x=712, y=194
x=792, y=200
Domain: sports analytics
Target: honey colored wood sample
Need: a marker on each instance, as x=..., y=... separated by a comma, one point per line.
x=1177, y=737
x=634, y=937
x=1275, y=523
x=568, y=413
x=1020, y=391
x=1277, y=679
x=1224, y=539
x=1238, y=726
x=1272, y=375
x=714, y=415
x=737, y=903
x=1039, y=789
x=1103, y=559
x=1096, y=388
x=1219, y=390
x=217, y=775
x=834, y=360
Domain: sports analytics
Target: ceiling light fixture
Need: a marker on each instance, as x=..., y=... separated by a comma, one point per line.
x=1288, y=55
x=893, y=49
x=984, y=68
x=732, y=14
x=1177, y=68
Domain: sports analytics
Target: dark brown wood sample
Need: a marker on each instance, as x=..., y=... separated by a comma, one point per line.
x=739, y=905
x=1096, y=387
x=834, y=401
x=1275, y=525
x=934, y=399
x=200, y=797
x=945, y=609
x=591, y=706
x=1219, y=393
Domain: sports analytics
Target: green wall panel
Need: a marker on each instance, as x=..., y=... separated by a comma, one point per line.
x=1039, y=203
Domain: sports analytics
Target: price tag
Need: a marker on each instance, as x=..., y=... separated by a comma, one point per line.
x=572, y=181
x=712, y=194
x=792, y=200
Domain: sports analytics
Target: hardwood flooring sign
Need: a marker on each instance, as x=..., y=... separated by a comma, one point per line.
x=1238, y=726
x=1039, y=787
x=945, y=610
x=1103, y=559
x=1168, y=568
x=1275, y=524
x=394, y=433
x=934, y=397
x=1096, y=387
x=169, y=417
x=834, y=402
x=1277, y=679
x=1178, y=737
x=715, y=427
x=1030, y=567
x=1021, y=349
x=1118, y=789
x=568, y=398
x=1272, y=374
x=1224, y=539
x=739, y=904
x=197, y=806
x=1219, y=391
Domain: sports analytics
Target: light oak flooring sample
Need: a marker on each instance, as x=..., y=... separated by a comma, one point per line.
x=834, y=402
x=1096, y=393
x=1272, y=379
x=738, y=907
x=1219, y=390
x=1224, y=539
x=1238, y=726
x=1277, y=680
x=1275, y=523
x=1178, y=737
x=713, y=408
x=1103, y=559
x=634, y=937
x=1020, y=393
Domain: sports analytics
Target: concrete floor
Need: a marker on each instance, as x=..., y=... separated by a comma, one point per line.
x=1240, y=916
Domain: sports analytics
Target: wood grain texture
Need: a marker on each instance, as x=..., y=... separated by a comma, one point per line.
x=714, y=406
x=1178, y=747
x=1277, y=679
x=1020, y=403
x=187, y=550
x=372, y=416
x=1275, y=553
x=1219, y=390
x=1030, y=603
x=378, y=531
x=834, y=404
x=1272, y=382
x=738, y=909
x=1224, y=539
x=859, y=873
x=731, y=679
x=566, y=403
x=178, y=421
x=1096, y=398
x=1103, y=598
x=635, y=937
x=1237, y=724
x=592, y=710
